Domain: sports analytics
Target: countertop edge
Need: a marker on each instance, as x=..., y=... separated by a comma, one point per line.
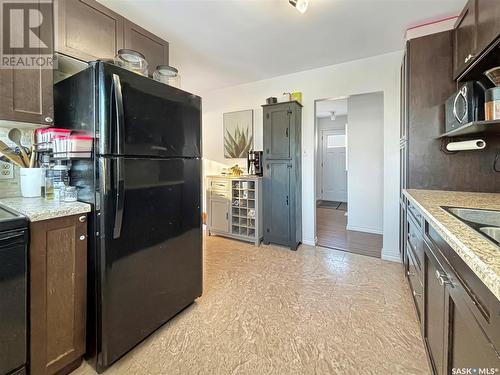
x=488, y=276
x=58, y=210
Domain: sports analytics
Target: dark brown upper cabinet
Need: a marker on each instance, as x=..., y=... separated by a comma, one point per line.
x=488, y=22
x=477, y=27
x=26, y=94
x=465, y=39
x=88, y=30
x=152, y=47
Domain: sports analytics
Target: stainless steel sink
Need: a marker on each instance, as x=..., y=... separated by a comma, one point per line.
x=485, y=222
x=492, y=232
x=483, y=217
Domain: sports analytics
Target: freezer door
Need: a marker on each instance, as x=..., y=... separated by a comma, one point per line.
x=150, y=247
x=141, y=117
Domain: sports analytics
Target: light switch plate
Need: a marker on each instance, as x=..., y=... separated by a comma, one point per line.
x=6, y=171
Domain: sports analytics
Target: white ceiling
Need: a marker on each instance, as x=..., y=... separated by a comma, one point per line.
x=219, y=43
x=325, y=108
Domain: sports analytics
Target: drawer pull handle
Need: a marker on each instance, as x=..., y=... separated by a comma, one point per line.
x=415, y=294
x=444, y=279
x=410, y=274
x=82, y=219
x=82, y=237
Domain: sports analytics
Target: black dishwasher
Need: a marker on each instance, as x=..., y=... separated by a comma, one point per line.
x=13, y=292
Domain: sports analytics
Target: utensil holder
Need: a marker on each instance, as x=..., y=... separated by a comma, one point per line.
x=31, y=182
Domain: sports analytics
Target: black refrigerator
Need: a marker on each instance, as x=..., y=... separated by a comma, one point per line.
x=144, y=183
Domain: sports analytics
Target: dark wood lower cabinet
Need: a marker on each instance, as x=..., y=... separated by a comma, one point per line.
x=466, y=343
x=458, y=333
x=58, y=282
x=434, y=311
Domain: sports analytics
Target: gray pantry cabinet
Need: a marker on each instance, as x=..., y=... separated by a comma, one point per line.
x=282, y=174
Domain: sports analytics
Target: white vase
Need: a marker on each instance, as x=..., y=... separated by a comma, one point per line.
x=31, y=182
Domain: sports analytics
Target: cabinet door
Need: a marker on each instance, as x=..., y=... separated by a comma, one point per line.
x=434, y=314
x=88, y=30
x=403, y=125
x=153, y=48
x=488, y=22
x=58, y=272
x=464, y=45
x=277, y=132
x=467, y=345
x=219, y=215
x=26, y=94
x=277, y=202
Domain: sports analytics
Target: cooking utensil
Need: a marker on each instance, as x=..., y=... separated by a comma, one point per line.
x=11, y=155
x=15, y=136
x=33, y=157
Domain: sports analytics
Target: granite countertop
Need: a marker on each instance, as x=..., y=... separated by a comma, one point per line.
x=38, y=209
x=481, y=255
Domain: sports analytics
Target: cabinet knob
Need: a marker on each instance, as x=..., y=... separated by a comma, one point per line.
x=49, y=119
x=82, y=219
x=82, y=237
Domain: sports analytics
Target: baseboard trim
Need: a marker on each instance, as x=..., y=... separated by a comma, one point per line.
x=309, y=242
x=391, y=256
x=366, y=230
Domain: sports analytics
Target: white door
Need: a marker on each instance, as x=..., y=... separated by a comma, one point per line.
x=333, y=166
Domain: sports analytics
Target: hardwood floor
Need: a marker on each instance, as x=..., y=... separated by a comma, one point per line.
x=331, y=232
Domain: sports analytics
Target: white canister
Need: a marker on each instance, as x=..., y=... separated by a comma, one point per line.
x=31, y=182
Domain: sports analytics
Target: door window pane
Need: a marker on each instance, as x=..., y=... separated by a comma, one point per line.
x=337, y=140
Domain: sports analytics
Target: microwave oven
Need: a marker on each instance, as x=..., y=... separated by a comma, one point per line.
x=464, y=106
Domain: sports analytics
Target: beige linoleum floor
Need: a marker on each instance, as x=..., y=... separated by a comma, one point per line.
x=269, y=310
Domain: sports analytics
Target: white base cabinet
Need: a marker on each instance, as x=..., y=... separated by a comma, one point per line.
x=234, y=207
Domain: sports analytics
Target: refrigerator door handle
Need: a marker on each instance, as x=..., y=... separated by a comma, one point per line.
x=119, y=197
x=117, y=89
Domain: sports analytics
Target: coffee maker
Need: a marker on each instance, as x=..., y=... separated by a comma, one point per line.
x=254, y=163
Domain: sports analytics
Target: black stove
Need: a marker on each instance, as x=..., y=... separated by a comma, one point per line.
x=13, y=292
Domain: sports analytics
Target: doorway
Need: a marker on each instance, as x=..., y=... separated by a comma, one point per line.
x=349, y=173
x=333, y=166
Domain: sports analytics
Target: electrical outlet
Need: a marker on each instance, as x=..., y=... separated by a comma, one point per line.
x=6, y=171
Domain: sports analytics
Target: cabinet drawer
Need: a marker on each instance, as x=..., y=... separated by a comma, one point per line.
x=219, y=185
x=415, y=214
x=415, y=285
x=219, y=194
x=416, y=244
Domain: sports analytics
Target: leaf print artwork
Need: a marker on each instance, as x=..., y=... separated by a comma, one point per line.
x=238, y=134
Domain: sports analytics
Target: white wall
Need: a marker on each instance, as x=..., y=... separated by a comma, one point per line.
x=365, y=155
x=379, y=73
x=325, y=123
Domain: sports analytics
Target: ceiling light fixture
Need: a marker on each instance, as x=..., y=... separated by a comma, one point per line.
x=300, y=5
